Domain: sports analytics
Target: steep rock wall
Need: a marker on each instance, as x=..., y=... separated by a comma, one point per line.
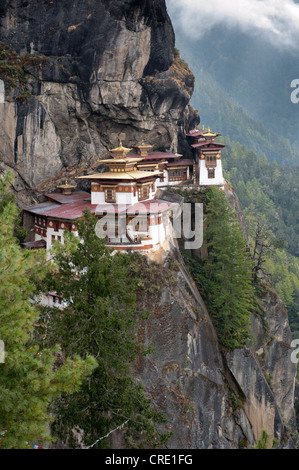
x=216, y=399
x=91, y=72
x=88, y=73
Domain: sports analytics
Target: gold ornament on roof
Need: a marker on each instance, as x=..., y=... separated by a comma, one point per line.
x=66, y=187
x=120, y=151
x=143, y=148
x=210, y=134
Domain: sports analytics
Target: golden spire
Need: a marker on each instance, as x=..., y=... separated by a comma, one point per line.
x=120, y=151
x=209, y=134
x=66, y=187
x=142, y=148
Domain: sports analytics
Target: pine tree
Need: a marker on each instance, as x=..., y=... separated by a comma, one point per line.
x=101, y=319
x=229, y=270
x=28, y=379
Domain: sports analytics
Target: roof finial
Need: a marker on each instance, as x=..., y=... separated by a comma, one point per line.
x=120, y=151
x=66, y=188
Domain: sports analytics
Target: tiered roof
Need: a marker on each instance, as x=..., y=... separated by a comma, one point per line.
x=205, y=139
x=122, y=167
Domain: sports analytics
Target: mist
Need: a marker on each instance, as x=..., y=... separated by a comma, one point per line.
x=277, y=21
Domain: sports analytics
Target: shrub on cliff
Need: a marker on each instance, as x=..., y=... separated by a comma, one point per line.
x=224, y=275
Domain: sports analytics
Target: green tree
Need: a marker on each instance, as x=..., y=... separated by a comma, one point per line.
x=100, y=319
x=28, y=379
x=269, y=197
x=228, y=267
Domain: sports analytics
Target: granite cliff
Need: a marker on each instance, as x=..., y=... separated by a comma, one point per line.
x=79, y=75
x=215, y=398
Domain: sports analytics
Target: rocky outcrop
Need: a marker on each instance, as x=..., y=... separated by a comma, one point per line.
x=211, y=399
x=214, y=398
x=79, y=75
x=83, y=75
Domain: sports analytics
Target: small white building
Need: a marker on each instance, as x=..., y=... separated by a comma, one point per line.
x=58, y=214
x=208, y=165
x=50, y=299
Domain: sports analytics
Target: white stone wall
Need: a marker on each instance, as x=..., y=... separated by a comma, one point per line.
x=121, y=197
x=203, y=174
x=50, y=232
x=126, y=198
x=97, y=197
x=165, y=182
x=153, y=232
x=157, y=233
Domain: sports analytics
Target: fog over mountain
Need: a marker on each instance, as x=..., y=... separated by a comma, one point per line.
x=274, y=20
x=245, y=50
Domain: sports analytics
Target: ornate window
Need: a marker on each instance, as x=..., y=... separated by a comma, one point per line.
x=143, y=192
x=211, y=173
x=110, y=195
x=141, y=225
x=178, y=174
x=211, y=160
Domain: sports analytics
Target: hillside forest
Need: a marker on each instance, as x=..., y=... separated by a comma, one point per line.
x=269, y=196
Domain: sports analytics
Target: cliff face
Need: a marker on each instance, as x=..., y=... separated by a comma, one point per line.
x=216, y=399
x=85, y=74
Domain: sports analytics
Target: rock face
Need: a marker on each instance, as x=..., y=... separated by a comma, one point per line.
x=89, y=72
x=84, y=74
x=216, y=399
x=213, y=400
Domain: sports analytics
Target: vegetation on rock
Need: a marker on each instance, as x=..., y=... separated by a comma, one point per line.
x=30, y=375
x=224, y=274
x=101, y=319
x=270, y=203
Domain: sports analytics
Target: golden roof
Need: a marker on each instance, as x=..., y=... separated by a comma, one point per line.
x=126, y=175
x=66, y=185
x=142, y=146
x=209, y=133
x=114, y=161
x=120, y=150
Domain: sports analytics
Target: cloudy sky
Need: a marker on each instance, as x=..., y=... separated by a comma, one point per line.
x=276, y=20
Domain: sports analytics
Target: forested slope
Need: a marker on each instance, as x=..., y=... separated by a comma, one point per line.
x=269, y=195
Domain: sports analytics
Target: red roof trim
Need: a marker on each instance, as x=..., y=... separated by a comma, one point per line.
x=185, y=162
